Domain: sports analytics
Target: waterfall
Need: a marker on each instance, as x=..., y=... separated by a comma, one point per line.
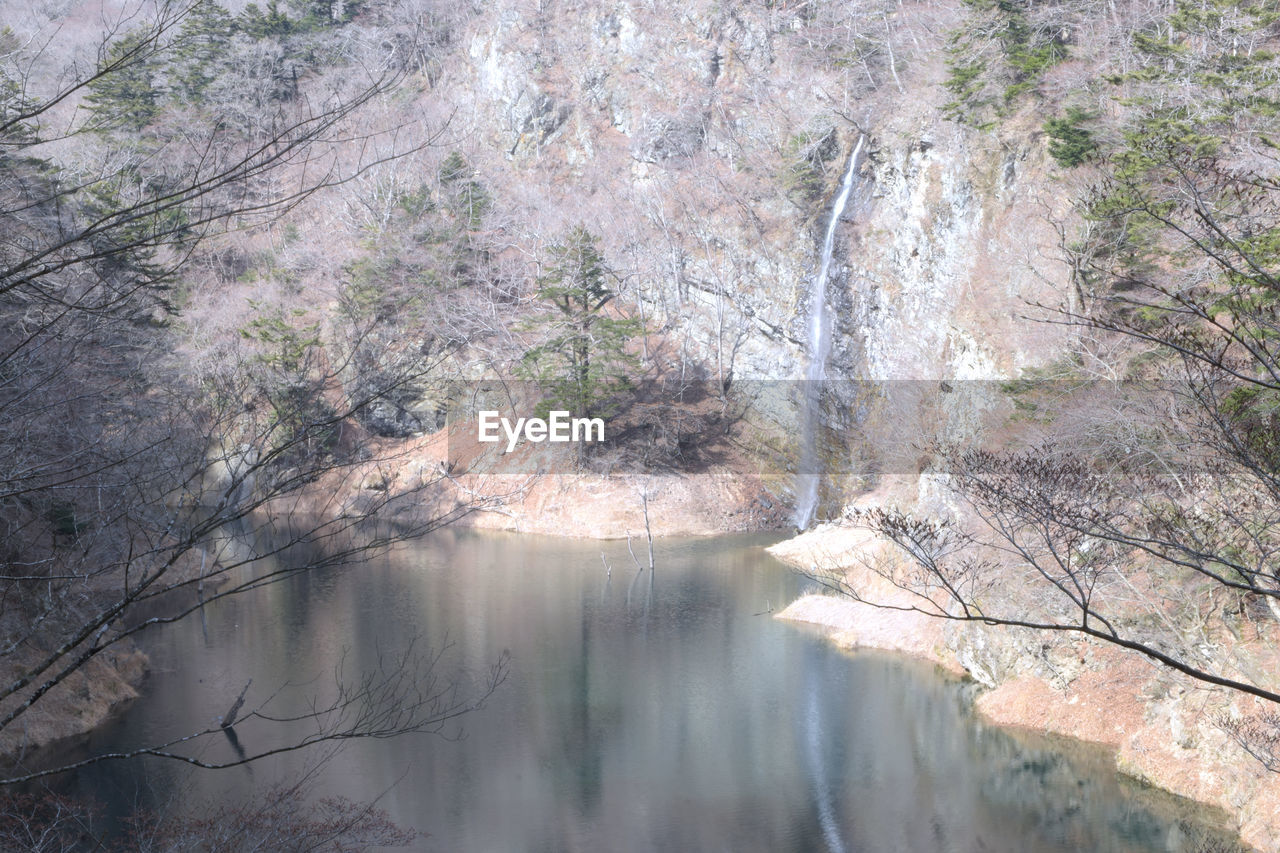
x=819, y=350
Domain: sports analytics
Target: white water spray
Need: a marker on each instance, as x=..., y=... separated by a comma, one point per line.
x=819, y=350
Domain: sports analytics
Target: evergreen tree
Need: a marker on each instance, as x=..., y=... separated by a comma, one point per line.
x=323, y=13
x=583, y=358
x=256, y=23
x=127, y=97
x=201, y=44
x=1071, y=143
x=15, y=103
x=464, y=195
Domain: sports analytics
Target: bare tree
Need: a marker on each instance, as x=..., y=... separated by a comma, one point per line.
x=134, y=489
x=1165, y=543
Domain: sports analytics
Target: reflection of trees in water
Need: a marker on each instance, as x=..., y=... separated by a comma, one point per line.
x=1079, y=801
x=580, y=738
x=689, y=728
x=893, y=758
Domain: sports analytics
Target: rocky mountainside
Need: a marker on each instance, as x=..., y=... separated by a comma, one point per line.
x=706, y=143
x=702, y=145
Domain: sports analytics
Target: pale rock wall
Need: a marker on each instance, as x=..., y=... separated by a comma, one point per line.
x=954, y=247
x=672, y=124
x=675, y=131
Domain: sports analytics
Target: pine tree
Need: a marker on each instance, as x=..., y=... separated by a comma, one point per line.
x=582, y=360
x=202, y=42
x=259, y=24
x=1070, y=143
x=127, y=97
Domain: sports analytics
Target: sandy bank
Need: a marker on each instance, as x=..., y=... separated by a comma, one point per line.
x=423, y=484
x=614, y=507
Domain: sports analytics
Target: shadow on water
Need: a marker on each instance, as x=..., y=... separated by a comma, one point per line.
x=665, y=712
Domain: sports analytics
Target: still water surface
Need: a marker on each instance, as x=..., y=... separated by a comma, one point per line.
x=661, y=712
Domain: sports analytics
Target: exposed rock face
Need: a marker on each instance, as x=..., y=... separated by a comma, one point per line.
x=956, y=245
x=646, y=125
x=704, y=144
x=670, y=131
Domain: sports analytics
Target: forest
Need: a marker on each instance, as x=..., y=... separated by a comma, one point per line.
x=262, y=267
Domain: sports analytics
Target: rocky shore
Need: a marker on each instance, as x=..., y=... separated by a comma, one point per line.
x=1163, y=728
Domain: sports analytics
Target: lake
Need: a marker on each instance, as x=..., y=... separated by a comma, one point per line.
x=665, y=711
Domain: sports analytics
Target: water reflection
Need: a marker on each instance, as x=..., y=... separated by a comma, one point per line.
x=647, y=712
x=815, y=745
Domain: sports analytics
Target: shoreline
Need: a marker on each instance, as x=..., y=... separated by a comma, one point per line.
x=599, y=506
x=89, y=699
x=1158, y=727
x=1104, y=701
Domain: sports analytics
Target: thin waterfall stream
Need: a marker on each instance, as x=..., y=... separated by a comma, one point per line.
x=819, y=351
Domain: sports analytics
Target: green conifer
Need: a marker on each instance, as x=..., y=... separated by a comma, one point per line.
x=583, y=360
